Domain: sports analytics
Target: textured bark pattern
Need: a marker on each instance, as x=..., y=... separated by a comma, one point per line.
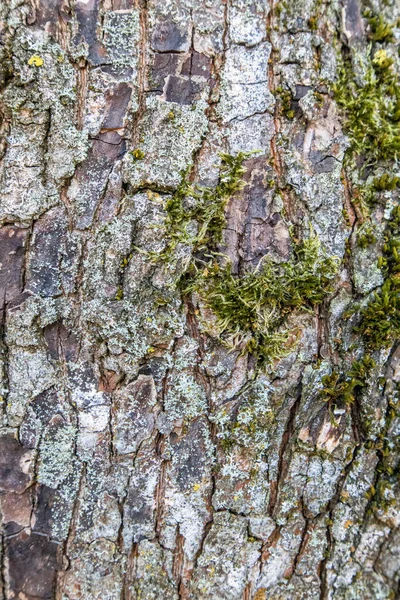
x=139, y=458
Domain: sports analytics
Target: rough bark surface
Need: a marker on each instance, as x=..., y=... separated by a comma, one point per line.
x=140, y=458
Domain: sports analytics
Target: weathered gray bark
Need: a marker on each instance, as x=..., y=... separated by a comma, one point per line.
x=139, y=457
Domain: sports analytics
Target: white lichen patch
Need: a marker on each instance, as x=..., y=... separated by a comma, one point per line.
x=244, y=87
x=121, y=38
x=167, y=143
x=247, y=23
x=30, y=372
x=56, y=455
x=185, y=399
x=43, y=118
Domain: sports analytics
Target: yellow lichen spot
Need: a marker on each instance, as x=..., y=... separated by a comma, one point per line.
x=154, y=197
x=60, y=58
x=381, y=59
x=196, y=487
x=35, y=61
x=138, y=154
x=348, y=524
x=171, y=115
x=151, y=350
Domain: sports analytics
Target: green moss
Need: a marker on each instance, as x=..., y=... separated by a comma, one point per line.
x=385, y=182
x=251, y=311
x=313, y=23
x=368, y=195
x=285, y=98
x=372, y=122
x=380, y=319
x=372, y=109
x=366, y=236
x=120, y=294
x=341, y=389
x=204, y=206
x=379, y=29
x=380, y=324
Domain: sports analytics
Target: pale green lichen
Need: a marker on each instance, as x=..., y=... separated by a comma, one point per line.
x=56, y=456
x=121, y=33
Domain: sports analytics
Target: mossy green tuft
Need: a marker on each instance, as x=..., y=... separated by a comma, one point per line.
x=251, y=311
x=372, y=108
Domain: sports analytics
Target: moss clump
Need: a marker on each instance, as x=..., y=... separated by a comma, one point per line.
x=341, y=389
x=285, y=98
x=367, y=196
x=385, y=182
x=191, y=205
x=313, y=23
x=380, y=319
x=372, y=109
x=380, y=325
x=366, y=236
x=379, y=29
x=251, y=311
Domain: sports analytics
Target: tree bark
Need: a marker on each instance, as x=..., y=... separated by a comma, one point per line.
x=142, y=457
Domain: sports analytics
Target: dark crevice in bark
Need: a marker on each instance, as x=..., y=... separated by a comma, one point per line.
x=161, y=486
x=142, y=71
x=305, y=536
x=3, y=579
x=71, y=531
x=266, y=548
x=129, y=576
x=82, y=72
x=324, y=589
x=178, y=565
x=285, y=442
x=5, y=355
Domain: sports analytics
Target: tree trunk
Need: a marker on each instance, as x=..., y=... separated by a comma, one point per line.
x=199, y=357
